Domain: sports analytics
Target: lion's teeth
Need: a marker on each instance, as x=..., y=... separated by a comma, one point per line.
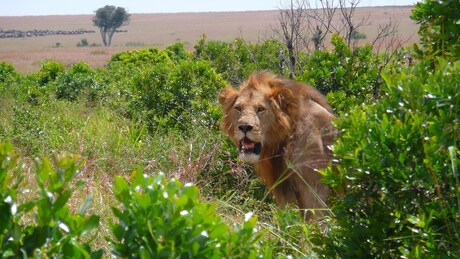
x=247, y=144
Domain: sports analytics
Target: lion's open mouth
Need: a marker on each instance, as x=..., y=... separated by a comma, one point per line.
x=248, y=146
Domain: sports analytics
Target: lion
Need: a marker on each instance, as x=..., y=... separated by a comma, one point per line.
x=284, y=128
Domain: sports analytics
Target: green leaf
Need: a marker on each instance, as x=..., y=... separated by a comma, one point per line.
x=5, y=216
x=138, y=178
x=86, y=204
x=97, y=254
x=120, y=184
x=413, y=219
x=61, y=201
x=43, y=171
x=90, y=224
x=453, y=158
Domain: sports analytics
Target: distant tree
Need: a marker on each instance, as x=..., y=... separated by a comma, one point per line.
x=109, y=18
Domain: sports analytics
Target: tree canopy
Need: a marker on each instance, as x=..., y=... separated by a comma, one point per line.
x=109, y=18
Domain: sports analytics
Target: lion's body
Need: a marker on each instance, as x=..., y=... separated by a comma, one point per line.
x=284, y=128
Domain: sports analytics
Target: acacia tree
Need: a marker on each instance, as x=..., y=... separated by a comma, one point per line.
x=109, y=18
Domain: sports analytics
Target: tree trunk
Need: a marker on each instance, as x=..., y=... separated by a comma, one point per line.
x=292, y=60
x=111, y=32
x=103, y=33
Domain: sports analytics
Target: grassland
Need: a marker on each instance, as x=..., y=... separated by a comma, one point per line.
x=160, y=30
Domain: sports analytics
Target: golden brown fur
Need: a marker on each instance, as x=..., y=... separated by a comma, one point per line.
x=284, y=128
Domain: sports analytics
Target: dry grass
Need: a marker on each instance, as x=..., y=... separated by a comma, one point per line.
x=158, y=30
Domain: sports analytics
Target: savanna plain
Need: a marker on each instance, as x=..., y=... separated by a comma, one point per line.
x=161, y=30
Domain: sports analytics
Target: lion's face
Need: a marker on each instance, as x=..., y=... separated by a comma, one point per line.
x=251, y=118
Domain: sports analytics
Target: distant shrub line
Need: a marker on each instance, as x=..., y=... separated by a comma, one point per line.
x=40, y=33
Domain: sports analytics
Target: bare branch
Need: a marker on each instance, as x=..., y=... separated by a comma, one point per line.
x=348, y=9
x=320, y=18
x=293, y=29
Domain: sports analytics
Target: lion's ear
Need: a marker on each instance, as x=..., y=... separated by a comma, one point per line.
x=227, y=97
x=285, y=100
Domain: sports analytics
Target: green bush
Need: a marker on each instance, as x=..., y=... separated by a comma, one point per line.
x=224, y=58
x=164, y=219
x=9, y=86
x=398, y=175
x=43, y=226
x=83, y=43
x=356, y=35
x=439, y=27
x=7, y=72
x=236, y=60
x=353, y=72
x=265, y=55
x=194, y=86
x=78, y=78
x=43, y=83
x=49, y=71
x=340, y=101
x=177, y=52
x=168, y=94
x=139, y=58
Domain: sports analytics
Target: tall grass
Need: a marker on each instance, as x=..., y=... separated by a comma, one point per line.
x=113, y=145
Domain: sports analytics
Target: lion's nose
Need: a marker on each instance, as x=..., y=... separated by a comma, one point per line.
x=245, y=128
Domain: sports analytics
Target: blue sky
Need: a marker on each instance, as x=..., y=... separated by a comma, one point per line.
x=62, y=7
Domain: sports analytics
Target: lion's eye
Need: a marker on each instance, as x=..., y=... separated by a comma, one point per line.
x=238, y=108
x=260, y=109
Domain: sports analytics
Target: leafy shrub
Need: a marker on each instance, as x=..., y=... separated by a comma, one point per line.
x=177, y=52
x=439, y=27
x=164, y=219
x=7, y=72
x=43, y=82
x=266, y=55
x=43, y=226
x=134, y=77
x=224, y=58
x=354, y=72
x=83, y=43
x=194, y=86
x=9, y=86
x=139, y=58
x=78, y=78
x=49, y=71
x=236, y=60
x=340, y=101
x=356, y=35
x=168, y=93
x=398, y=171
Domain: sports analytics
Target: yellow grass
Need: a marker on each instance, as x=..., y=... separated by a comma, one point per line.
x=158, y=30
